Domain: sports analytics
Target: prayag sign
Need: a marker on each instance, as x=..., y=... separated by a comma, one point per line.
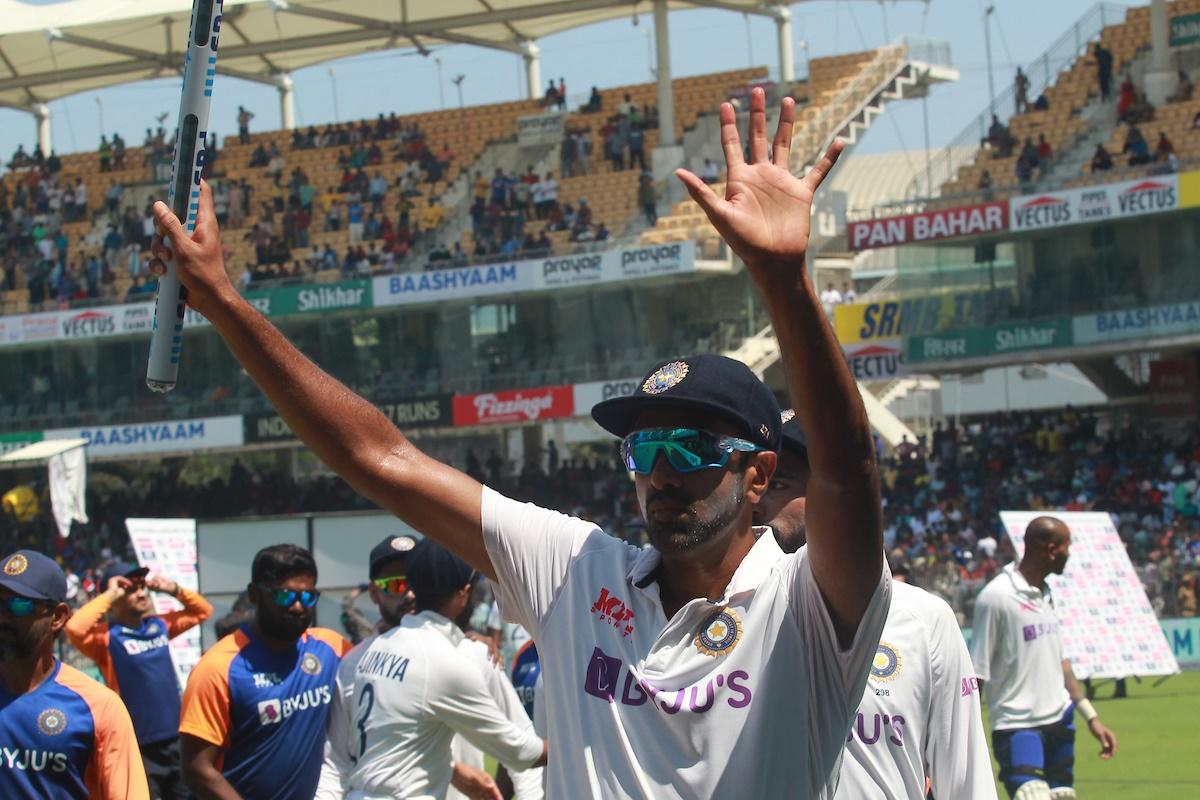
x=928, y=226
x=990, y=341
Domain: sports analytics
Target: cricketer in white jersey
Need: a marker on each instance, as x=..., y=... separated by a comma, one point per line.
x=712, y=664
x=412, y=691
x=919, y=716
x=642, y=706
x=920, y=713
x=1032, y=694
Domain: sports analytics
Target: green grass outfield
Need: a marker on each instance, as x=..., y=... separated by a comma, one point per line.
x=1158, y=743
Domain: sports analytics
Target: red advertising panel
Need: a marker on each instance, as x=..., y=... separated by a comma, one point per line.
x=928, y=226
x=520, y=405
x=1173, y=388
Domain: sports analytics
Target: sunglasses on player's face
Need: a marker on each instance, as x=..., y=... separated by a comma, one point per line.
x=686, y=449
x=396, y=584
x=19, y=606
x=285, y=598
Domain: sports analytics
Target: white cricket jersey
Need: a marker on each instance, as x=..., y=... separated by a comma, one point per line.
x=750, y=695
x=1018, y=653
x=920, y=713
x=389, y=737
x=528, y=782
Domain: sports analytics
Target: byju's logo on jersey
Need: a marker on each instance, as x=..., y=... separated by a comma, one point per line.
x=270, y=712
x=887, y=662
x=52, y=722
x=719, y=633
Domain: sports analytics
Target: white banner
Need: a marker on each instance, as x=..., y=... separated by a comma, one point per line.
x=1108, y=627
x=168, y=436
x=167, y=547
x=589, y=394
x=68, y=483
x=556, y=272
x=544, y=128
x=876, y=360
x=1153, y=195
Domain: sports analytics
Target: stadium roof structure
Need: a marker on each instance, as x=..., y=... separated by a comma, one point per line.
x=56, y=50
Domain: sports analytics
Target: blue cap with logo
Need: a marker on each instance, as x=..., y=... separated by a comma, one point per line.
x=395, y=546
x=434, y=572
x=708, y=383
x=28, y=573
x=120, y=569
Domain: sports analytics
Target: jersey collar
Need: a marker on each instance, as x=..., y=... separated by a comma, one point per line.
x=749, y=574
x=432, y=619
x=1022, y=586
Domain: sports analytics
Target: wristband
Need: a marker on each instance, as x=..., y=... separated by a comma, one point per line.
x=1085, y=708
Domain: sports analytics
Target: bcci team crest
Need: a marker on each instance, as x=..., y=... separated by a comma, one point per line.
x=52, y=722
x=16, y=565
x=402, y=543
x=786, y=416
x=310, y=664
x=665, y=377
x=887, y=662
x=719, y=633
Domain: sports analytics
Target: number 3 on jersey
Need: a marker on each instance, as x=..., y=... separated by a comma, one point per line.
x=365, y=698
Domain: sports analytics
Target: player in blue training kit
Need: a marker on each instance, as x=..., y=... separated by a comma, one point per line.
x=64, y=736
x=255, y=708
x=130, y=643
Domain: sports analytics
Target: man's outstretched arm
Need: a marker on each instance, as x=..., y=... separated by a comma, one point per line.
x=346, y=431
x=764, y=217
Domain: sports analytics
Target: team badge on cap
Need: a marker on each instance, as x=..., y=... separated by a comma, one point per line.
x=310, y=664
x=52, y=722
x=719, y=633
x=665, y=377
x=16, y=565
x=786, y=416
x=887, y=662
x=403, y=543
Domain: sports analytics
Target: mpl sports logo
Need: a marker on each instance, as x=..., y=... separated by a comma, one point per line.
x=1044, y=211
x=610, y=609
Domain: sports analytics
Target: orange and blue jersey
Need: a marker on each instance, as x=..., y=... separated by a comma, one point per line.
x=525, y=672
x=68, y=738
x=136, y=662
x=265, y=710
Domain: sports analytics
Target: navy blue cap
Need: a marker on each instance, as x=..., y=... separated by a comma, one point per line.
x=706, y=383
x=121, y=569
x=30, y=574
x=394, y=546
x=792, y=435
x=434, y=572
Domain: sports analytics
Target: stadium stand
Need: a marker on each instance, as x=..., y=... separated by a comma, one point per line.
x=1065, y=126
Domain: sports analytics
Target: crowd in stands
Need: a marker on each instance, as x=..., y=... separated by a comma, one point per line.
x=942, y=497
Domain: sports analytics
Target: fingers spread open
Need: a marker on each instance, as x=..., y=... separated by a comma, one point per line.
x=699, y=190
x=758, y=125
x=781, y=151
x=821, y=169
x=731, y=142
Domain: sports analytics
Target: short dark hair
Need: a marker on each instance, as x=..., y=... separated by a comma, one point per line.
x=279, y=562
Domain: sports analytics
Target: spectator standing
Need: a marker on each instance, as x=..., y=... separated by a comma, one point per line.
x=647, y=198
x=1021, y=91
x=637, y=147
x=1104, y=67
x=377, y=191
x=848, y=293
x=354, y=221
x=105, y=154
x=243, y=123
x=130, y=643
x=830, y=298
x=711, y=172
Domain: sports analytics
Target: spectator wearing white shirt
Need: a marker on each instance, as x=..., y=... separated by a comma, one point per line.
x=830, y=298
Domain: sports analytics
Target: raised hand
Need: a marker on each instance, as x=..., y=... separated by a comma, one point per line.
x=157, y=583
x=197, y=257
x=764, y=216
